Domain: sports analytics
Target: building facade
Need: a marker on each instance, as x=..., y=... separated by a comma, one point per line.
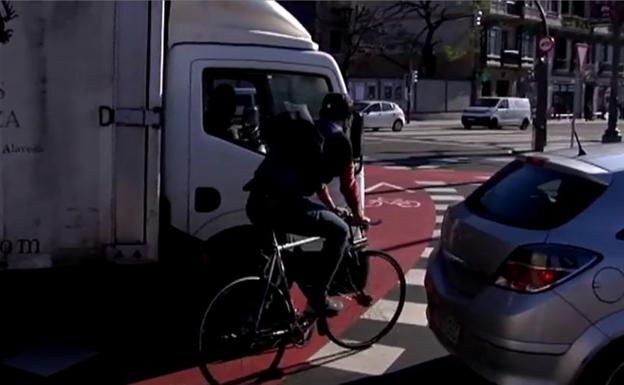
x=494, y=57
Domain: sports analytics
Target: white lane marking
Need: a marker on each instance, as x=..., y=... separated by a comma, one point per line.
x=427, y=252
x=447, y=198
x=439, y=219
x=441, y=207
x=416, y=277
x=412, y=314
x=430, y=182
x=436, y=233
x=428, y=166
x=397, y=168
x=373, y=361
x=451, y=190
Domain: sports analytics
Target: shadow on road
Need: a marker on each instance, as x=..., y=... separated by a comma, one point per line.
x=445, y=370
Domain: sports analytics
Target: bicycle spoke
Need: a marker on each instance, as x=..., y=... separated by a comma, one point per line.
x=362, y=290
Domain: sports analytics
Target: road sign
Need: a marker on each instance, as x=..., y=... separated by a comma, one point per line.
x=581, y=50
x=546, y=44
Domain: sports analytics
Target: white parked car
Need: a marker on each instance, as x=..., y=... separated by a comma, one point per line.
x=379, y=114
x=496, y=112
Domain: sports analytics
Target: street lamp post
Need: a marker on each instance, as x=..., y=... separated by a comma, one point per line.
x=542, y=78
x=612, y=134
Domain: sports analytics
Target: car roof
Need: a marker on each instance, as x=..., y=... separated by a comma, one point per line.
x=609, y=157
x=374, y=101
x=600, y=162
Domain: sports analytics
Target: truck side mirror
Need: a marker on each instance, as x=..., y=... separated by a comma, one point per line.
x=356, y=135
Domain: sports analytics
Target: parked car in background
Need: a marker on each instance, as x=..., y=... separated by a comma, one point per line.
x=380, y=114
x=527, y=283
x=498, y=112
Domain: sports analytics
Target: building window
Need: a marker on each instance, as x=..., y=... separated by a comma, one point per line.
x=398, y=93
x=335, y=41
x=388, y=92
x=528, y=45
x=371, y=94
x=561, y=54
x=553, y=6
x=578, y=8
x=494, y=42
x=565, y=7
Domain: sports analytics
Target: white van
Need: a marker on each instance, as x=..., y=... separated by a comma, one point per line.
x=498, y=112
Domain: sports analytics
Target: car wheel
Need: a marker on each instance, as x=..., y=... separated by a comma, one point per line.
x=525, y=124
x=467, y=126
x=494, y=124
x=607, y=368
x=397, y=126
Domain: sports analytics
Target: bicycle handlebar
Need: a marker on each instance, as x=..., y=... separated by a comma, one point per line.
x=351, y=221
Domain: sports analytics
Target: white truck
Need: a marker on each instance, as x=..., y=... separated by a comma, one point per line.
x=110, y=119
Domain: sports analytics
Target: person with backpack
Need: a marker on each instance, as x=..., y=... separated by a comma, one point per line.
x=297, y=166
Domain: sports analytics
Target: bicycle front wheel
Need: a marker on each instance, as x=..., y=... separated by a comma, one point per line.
x=243, y=332
x=372, y=287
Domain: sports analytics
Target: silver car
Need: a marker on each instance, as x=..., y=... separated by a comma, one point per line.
x=526, y=285
x=380, y=114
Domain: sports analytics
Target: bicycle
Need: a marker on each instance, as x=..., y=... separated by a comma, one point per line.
x=251, y=321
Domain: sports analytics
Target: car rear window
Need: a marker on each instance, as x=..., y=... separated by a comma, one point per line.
x=533, y=197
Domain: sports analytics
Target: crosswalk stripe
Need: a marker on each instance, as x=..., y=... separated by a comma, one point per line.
x=430, y=182
x=396, y=167
x=441, y=190
x=373, y=361
x=412, y=314
x=427, y=252
x=441, y=207
x=447, y=198
x=436, y=233
x=416, y=277
x=439, y=219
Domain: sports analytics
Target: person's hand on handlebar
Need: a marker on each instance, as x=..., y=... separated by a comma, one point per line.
x=361, y=219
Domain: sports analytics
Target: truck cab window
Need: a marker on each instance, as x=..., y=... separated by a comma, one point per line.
x=238, y=103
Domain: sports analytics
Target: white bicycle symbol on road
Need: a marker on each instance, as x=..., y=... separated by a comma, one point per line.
x=399, y=202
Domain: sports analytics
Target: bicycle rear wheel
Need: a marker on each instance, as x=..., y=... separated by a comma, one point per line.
x=373, y=291
x=232, y=349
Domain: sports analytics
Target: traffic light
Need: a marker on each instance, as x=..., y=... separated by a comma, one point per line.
x=478, y=18
x=414, y=76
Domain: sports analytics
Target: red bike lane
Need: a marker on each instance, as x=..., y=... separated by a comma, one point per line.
x=408, y=219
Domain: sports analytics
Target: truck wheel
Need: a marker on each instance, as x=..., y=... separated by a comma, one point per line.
x=494, y=124
x=525, y=124
x=397, y=126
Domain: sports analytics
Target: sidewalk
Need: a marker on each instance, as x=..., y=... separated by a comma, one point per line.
x=457, y=122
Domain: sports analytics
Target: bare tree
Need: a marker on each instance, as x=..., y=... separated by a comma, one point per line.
x=434, y=15
x=362, y=27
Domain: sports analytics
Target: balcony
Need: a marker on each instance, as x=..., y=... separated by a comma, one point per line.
x=575, y=23
x=511, y=58
x=605, y=68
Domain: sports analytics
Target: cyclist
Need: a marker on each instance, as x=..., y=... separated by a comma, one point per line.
x=282, y=187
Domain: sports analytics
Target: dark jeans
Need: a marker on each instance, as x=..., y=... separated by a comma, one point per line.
x=302, y=216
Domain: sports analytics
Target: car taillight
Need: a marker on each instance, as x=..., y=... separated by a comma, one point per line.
x=535, y=268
